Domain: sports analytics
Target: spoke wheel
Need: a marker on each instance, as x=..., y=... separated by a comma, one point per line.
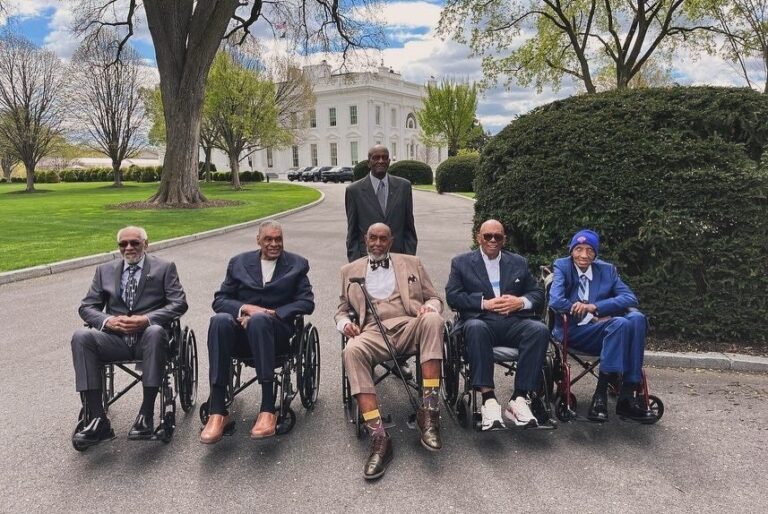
x=308, y=369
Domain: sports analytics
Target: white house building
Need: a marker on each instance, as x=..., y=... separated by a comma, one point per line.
x=353, y=111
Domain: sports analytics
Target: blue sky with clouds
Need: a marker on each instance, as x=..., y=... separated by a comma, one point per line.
x=413, y=50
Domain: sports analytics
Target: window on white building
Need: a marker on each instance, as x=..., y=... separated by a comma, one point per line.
x=394, y=150
x=353, y=115
x=377, y=115
x=410, y=122
x=353, y=151
x=439, y=154
x=313, y=118
x=334, y=154
x=313, y=153
x=393, y=121
x=270, y=163
x=332, y=116
x=295, y=154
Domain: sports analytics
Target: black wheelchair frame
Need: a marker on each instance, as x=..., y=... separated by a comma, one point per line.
x=179, y=379
x=303, y=357
x=463, y=402
x=565, y=400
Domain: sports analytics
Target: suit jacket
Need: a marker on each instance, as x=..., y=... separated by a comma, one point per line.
x=159, y=294
x=289, y=293
x=468, y=284
x=413, y=283
x=363, y=210
x=606, y=290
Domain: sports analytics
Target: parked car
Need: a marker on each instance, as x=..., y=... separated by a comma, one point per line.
x=290, y=174
x=296, y=175
x=338, y=174
x=315, y=174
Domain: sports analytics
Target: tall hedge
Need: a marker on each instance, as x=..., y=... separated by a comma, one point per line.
x=456, y=174
x=672, y=181
x=360, y=170
x=415, y=171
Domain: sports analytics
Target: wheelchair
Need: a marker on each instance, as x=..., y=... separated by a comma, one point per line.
x=179, y=379
x=565, y=400
x=461, y=398
x=301, y=357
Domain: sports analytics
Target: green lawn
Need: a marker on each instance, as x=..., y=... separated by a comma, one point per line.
x=432, y=188
x=69, y=220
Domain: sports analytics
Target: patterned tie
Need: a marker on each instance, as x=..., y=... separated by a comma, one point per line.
x=381, y=194
x=583, y=281
x=129, y=297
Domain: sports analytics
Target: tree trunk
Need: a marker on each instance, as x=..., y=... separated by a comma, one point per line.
x=234, y=165
x=7, y=170
x=118, y=173
x=30, y=166
x=207, y=150
x=453, y=149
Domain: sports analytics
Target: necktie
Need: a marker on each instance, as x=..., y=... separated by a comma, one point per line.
x=583, y=281
x=381, y=194
x=384, y=263
x=129, y=296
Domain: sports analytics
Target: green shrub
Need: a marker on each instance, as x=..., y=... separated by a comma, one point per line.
x=46, y=177
x=18, y=180
x=246, y=176
x=360, y=170
x=416, y=172
x=668, y=178
x=221, y=176
x=148, y=174
x=258, y=176
x=128, y=173
x=69, y=175
x=455, y=174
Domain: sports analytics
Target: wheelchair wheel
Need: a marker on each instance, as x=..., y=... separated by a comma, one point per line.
x=80, y=425
x=308, y=367
x=463, y=411
x=204, y=414
x=656, y=406
x=187, y=372
x=451, y=366
x=285, y=423
x=561, y=409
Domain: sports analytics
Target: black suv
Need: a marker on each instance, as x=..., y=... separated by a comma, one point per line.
x=315, y=174
x=338, y=174
x=296, y=174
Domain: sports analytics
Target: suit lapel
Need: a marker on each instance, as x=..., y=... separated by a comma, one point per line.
x=119, y=278
x=367, y=187
x=356, y=298
x=401, y=277
x=593, y=284
x=253, y=267
x=478, y=266
x=503, y=273
x=281, y=267
x=142, y=281
x=393, y=188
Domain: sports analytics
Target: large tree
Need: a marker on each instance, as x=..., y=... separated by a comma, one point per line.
x=540, y=42
x=30, y=107
x=186, y=36
x=449, y=112
x=105, y=98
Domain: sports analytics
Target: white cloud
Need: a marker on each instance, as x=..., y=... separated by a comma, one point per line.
x=410, y=14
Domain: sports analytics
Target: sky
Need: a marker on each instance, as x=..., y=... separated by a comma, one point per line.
x=413, y=49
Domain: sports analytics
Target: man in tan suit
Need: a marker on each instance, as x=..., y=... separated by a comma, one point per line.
x=410, y=311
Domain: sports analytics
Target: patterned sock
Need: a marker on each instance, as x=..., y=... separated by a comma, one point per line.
x=431, y=393
x=488, y=395
x=373, y=423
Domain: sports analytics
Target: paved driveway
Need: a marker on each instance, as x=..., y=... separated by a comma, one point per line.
x=708, y=454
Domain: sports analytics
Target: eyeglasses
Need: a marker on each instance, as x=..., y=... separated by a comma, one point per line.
x=133, y=242
x=493, y=237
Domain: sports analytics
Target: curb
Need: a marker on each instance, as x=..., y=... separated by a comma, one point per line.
x=457, y=195
x=708, y=360
x=90, y=260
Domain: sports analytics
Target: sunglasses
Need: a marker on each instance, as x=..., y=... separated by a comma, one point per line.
x=493, y=237
x=133, y=242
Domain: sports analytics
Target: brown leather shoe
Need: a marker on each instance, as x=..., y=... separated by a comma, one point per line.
x=380, y=457
x=428, y=421
x=265, y=425
x=217, y=427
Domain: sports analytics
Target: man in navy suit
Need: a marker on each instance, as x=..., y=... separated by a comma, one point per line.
x=497, y=298
x=262, y=293
x=603, y=320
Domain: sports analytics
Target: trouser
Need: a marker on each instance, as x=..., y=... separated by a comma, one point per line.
x=530, y=337
x=91, y=349
x=263, y=338
x=619, y=341
x=365, y=351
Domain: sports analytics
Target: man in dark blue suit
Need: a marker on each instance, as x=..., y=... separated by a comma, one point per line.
x=263, y=292
x=603, y=320
x=497, y=298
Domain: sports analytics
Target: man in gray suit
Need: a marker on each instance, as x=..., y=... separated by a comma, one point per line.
x=128, y=306
x=380, y=198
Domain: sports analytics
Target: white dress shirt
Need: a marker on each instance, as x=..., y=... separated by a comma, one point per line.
x=492, y=267
x=267, y=270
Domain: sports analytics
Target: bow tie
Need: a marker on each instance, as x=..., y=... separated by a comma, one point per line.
x=384, y=263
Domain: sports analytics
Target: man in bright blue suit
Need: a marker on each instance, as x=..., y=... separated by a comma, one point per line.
x=262, y=293
x=603, y=320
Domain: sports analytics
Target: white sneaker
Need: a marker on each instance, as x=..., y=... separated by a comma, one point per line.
x=518, y=411
x=491, y=411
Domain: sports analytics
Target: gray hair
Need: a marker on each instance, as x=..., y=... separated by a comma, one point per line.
x=140, y=230
x=270, y=224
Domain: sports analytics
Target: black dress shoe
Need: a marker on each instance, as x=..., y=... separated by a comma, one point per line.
x=143, y=428
x=598, y=410
x=428, y=421
x=98, y=430
x=380, y=457
x=634, y=409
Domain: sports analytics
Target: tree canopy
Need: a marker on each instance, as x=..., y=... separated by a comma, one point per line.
x=449, y=114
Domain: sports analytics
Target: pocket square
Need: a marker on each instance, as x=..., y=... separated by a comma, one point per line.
x=411, y=278
x=517, y=280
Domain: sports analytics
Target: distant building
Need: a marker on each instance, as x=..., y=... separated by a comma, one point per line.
x=353, y=111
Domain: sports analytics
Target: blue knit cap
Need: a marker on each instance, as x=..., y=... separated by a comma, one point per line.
x=586, y=237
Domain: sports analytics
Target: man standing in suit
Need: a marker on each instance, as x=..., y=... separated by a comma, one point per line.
x=409, y=309
x=380, y=198
x=262, y=293
x=128, y=306
x=496, y=296
x=603, y=320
